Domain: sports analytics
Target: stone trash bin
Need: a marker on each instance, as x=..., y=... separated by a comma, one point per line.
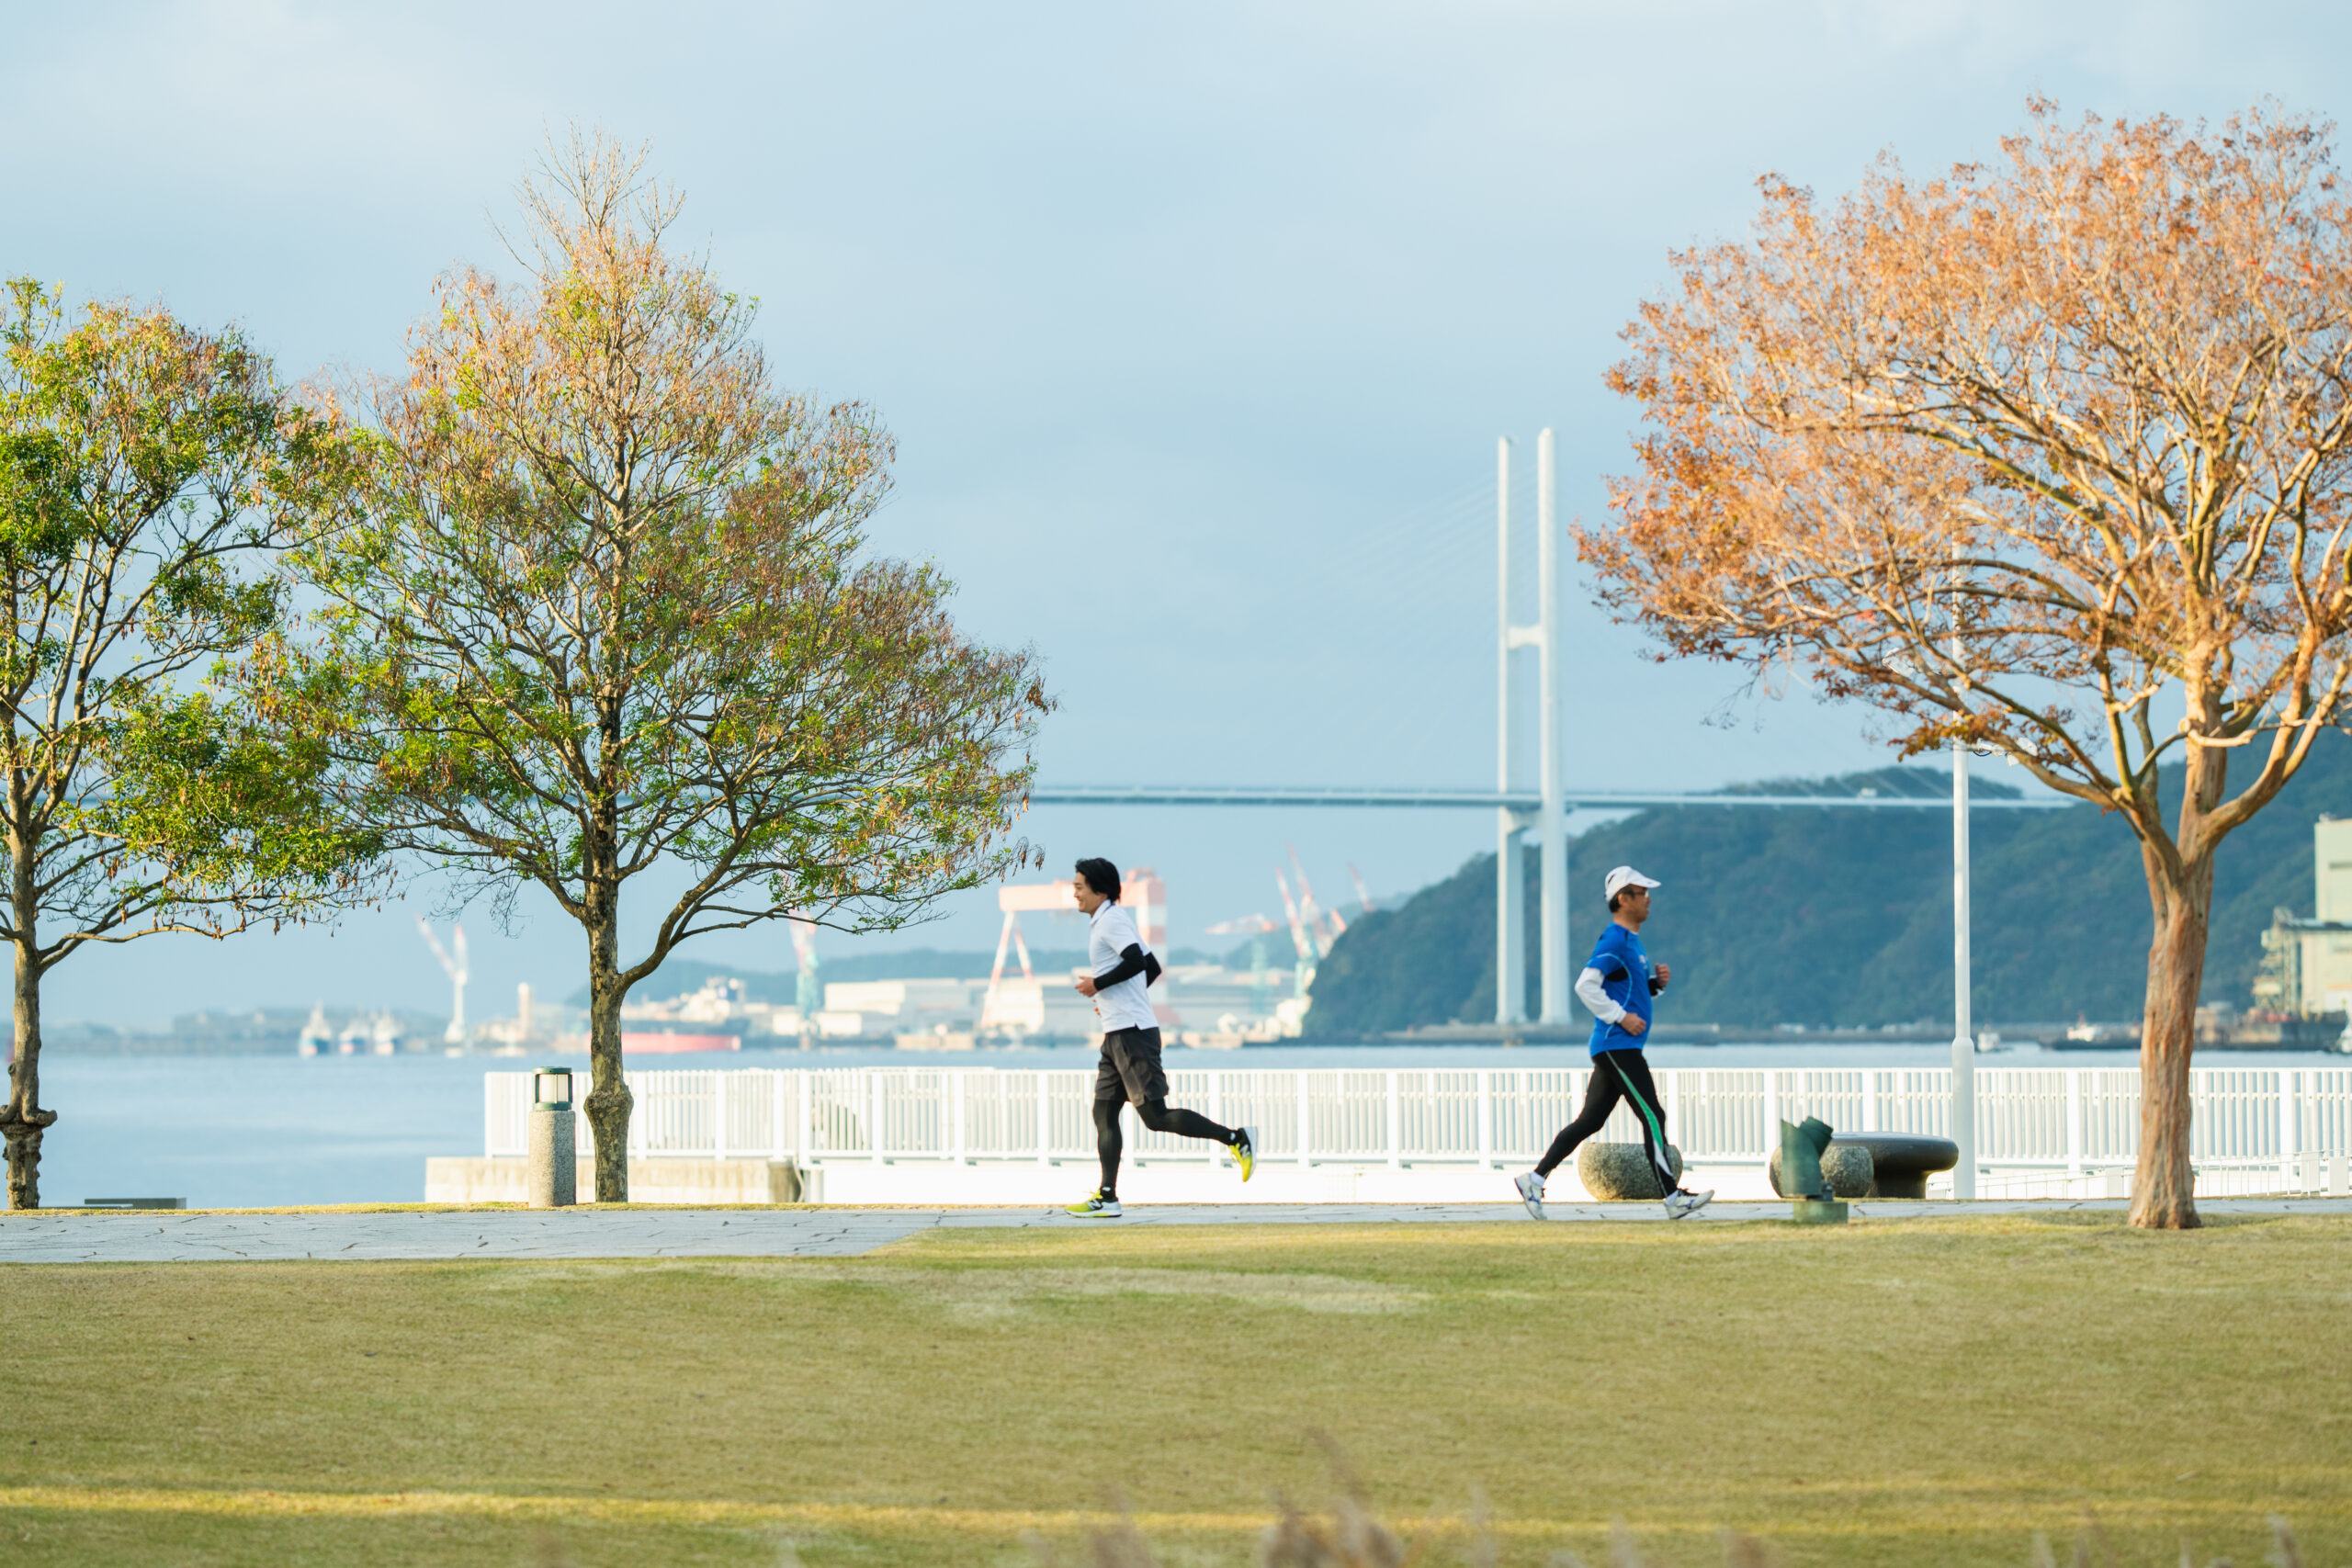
x=1620, y=1173
x=551, y=1179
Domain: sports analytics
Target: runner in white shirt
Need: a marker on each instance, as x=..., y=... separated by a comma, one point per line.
x=1124, y=969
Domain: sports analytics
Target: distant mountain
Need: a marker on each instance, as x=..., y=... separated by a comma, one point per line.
x=1843, y=917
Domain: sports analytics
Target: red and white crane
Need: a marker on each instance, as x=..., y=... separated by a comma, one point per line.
x=1327, y=926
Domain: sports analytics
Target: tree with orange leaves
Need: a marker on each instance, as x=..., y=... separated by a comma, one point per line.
x=2050, y=457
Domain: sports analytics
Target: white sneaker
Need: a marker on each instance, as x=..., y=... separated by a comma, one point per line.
x=1531, y=1192
x=1682, y=1205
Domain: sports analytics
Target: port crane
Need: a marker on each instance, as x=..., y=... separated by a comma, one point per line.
x=1327, y=925
x=456, y=968
x=1255, y=928
x=807, y=991
x=1302, y=937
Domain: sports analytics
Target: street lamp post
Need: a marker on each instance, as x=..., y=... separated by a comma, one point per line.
x=551, y=1176
x=1963, y=1038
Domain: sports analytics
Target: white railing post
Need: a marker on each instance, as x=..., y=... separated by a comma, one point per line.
x=1396, y=1125
x=874, y=1113
x=718, y=1115
x=1306, y=1121
x=2074, y=1121
x=489, y=1128
x=1772, y=1139
x=1486, y=1120
x=1870, y=1101
x=1674, y=1127
x=776, y=1113
x=2290, y=1172
x=1045, y=1121
x=804, y=1126
x=956, y=1108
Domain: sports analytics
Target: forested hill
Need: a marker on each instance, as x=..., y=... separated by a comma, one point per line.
x=1843, y=917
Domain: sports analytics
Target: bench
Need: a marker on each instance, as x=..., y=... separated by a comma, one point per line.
x=1899, y=1165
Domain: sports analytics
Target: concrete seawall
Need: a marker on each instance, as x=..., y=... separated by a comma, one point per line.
x=503, y=1180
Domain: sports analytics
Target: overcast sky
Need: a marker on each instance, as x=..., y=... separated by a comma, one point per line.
x=1196, y=326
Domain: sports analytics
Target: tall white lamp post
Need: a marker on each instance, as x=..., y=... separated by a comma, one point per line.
x=1511, y=942
x=1552, y=833
x=1963, y=1037
x=1550, y=816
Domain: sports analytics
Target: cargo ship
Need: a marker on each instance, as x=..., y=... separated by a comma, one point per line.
x=660, y=1043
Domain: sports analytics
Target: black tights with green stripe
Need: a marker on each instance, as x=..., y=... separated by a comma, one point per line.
x=1616, y=1075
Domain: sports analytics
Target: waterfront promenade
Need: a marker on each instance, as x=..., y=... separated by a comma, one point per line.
x=71, y=1237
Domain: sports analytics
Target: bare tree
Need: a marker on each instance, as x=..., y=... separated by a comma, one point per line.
x=607, y=612
x=147, y=470
x=2047, y=457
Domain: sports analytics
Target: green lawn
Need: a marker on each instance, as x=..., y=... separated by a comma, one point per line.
x=1920, y=1392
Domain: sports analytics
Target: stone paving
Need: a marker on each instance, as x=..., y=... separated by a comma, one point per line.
x=152, y=1236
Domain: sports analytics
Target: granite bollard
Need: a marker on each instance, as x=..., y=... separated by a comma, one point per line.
x=1847, y=1167
x=1620, y=1173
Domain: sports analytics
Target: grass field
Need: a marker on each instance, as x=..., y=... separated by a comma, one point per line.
x=1922, y=1392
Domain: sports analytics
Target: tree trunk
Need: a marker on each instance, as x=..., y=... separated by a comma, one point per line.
x=609, y=1099
x=24, y=1122
x=2164, y=1188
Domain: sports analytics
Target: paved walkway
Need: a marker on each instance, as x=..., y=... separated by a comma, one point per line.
x=165, y=1237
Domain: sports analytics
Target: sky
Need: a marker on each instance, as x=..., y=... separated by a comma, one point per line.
x=1196, y=326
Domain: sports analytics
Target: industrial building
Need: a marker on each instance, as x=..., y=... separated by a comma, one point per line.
x=2307, y=963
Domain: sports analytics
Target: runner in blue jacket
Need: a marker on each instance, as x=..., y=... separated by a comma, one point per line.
x=1619, y=985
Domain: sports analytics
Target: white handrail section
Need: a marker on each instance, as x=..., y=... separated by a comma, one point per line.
x=2254, y=1129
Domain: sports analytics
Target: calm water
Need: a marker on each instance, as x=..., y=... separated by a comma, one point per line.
x=255, y=1131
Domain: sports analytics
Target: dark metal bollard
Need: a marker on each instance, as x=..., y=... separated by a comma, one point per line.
x=1801, y=1177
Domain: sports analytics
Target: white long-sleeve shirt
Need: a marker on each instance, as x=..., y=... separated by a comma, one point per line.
x=1588, y=992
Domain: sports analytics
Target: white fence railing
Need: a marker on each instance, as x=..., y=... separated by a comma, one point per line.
x=2039, y=1129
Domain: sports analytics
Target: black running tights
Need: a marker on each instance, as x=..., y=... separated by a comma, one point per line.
x=1154, y=1114
x=1616, y=1075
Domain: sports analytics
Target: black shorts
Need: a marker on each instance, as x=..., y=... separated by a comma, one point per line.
x=1130, y=1069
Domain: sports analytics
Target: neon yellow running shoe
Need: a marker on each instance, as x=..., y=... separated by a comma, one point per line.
x=1245, y=1153
x=1094, y=1207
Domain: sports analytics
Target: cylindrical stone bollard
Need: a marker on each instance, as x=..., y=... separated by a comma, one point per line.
x=551, y=1180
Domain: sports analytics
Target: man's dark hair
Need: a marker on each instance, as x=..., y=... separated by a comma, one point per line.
x=1101, y=875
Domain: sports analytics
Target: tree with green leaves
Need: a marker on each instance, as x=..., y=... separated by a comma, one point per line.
x=605, y=612
x=148, y=472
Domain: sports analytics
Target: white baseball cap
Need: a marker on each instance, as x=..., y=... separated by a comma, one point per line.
x=1622, y=877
